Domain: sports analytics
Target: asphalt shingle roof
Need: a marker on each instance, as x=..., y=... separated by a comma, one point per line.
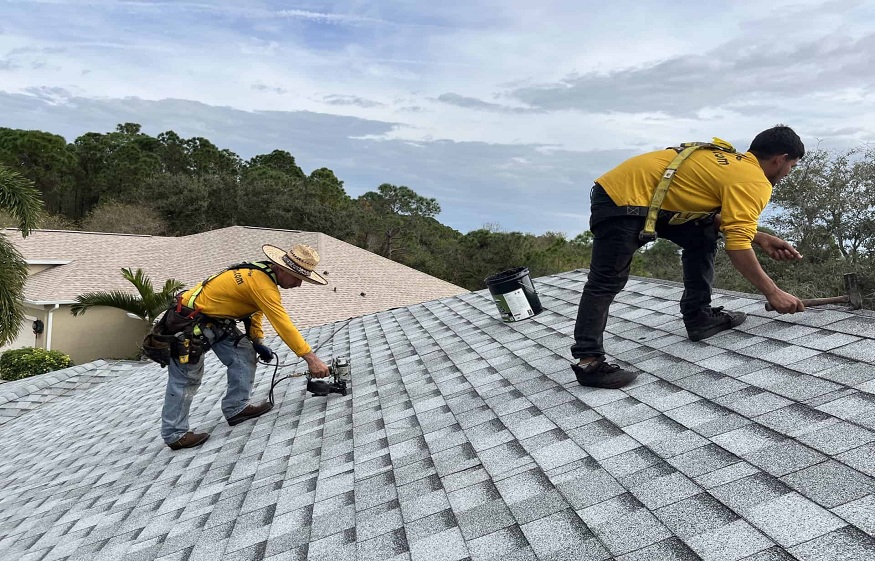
x=465, y=437
x=360, y=282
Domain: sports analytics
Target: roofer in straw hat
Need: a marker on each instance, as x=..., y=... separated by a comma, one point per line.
x=246, y=292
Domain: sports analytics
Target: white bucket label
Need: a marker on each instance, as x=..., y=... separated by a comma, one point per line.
x=513, y=305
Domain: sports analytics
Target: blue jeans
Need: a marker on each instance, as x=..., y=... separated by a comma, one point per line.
x=615, y=241
x=183, y=381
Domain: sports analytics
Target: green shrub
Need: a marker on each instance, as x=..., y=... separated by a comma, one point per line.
x=29, y=361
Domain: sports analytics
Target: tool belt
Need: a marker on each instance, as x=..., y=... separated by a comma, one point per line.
x=179, y=335
x=603, y=207
x=673, y=217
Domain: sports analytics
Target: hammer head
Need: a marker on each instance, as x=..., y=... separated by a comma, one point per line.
x=855, y=299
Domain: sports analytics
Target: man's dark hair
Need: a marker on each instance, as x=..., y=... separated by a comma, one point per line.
x=776, y=141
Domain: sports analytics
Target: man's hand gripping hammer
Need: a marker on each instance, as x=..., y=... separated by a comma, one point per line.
x=853, y=297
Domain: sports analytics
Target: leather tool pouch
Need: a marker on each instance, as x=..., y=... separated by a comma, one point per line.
x=174, y=337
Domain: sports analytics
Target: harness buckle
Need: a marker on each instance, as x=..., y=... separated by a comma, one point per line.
x=647, y=237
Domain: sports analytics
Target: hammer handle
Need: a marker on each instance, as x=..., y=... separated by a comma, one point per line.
x=817, y=302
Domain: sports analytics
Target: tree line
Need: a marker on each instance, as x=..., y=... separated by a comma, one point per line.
x=126, y=181
x=129, y=182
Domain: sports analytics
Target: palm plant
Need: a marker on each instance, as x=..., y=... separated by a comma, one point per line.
x=21, y=201
x=147, y=306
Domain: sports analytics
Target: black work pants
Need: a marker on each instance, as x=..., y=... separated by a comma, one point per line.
x=614, y=244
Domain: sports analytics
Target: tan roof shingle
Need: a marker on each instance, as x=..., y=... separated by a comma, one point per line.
x=96, y=259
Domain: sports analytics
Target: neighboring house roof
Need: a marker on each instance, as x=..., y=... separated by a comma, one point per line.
x=95, y=261
x=465, y=437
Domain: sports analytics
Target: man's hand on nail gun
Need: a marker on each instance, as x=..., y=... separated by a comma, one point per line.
x=778, y=249
x=317, y=368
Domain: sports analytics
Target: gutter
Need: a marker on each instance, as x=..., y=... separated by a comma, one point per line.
x=49, y=327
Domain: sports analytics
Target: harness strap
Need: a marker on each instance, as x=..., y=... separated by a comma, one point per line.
x=257, y=265
x=648, y=234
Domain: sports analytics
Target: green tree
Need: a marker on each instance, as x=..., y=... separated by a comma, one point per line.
x=43, y=158
x=183, y=201
x=278, y=161
x=826, y=207
x=147, y=306
x=485, y=252
x=173, y=154
x=208, y=159
x=113, y=166
x=385, y=222
x=19, y=199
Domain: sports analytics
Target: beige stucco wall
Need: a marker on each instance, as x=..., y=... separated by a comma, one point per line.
x=34, y=269
x=26, y=337
x=99, y=333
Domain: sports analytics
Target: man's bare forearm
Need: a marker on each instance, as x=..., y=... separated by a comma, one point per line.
x=746, y=262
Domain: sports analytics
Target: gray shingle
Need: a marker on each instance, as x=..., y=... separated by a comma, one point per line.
x=587, y=485
x=623, y=525
x=671, y=549
x=743, y=494
x=445, y=546
x=860, y=513
x=468, y=438
x=703, y=460
x=831, y=483
x=748, y=439
x=507, y=543
x=791, y=519
x=695, y=515
x=377, y=521
x=484, y=519
x=785, y=457
x=563, y=536
x=848, y=544
x=796, y=419
x=735, y=540
x=664, y=490
x=861, y=459
x=790, y=384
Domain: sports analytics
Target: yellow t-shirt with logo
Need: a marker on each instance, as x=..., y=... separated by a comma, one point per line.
x=709, y=180
x=242, y=293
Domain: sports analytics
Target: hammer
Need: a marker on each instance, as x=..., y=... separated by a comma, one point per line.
x=853, y=297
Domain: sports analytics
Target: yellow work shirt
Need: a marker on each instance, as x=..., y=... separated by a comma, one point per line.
x=242, y=293
x=709, y=180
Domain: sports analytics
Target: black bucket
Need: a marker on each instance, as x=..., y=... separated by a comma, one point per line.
x=514, y=294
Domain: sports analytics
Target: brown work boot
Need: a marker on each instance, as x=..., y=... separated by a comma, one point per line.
x=600, y=374
x=250, y=412
x=189, y=440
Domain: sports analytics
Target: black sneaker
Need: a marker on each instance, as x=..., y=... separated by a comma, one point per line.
x=600, y=374
x=712, y=322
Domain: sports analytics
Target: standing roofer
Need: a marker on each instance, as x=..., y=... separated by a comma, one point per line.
x=244, y=292
x=712, y=188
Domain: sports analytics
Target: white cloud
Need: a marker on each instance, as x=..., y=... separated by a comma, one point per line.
x=501, y=94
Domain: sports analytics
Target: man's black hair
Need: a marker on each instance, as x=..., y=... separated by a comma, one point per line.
x=776, y=141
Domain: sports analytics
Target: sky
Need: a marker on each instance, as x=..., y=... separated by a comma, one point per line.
x=505, y=111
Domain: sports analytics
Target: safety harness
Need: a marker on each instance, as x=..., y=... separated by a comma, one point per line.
x=179, y=332
x=648, y=234
x=226, y=323
x=262, y=266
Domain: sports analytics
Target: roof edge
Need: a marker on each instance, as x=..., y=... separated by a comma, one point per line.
x=48, y=261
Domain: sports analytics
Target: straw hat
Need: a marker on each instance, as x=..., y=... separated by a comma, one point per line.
x=299, y=261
